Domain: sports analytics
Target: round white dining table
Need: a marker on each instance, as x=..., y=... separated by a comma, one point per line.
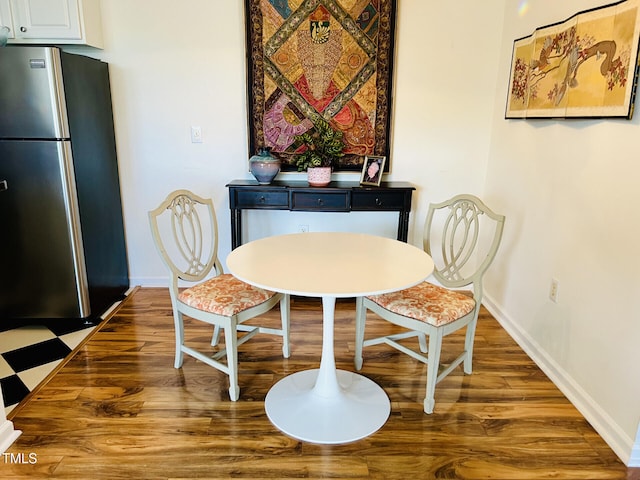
x=326, y=405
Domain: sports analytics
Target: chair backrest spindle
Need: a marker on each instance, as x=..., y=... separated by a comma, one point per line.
x=187, y=256
x=466, y=215
x=187, y=231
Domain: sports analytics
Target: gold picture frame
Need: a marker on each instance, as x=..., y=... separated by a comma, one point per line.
x=372, y=170
x=584, y=67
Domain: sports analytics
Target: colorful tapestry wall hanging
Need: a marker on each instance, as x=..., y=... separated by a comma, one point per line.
x=320, y=58
x=586, y=66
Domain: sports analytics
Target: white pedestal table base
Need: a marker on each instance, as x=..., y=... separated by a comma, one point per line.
x=357, y=410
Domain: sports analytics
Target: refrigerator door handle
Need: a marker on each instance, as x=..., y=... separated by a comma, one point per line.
x=68, y=176
x=3, y=185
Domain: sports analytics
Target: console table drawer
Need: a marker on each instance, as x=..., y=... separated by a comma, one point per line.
x=261, y=199
x=321, y=201
x=370, y=200
x=299, y=196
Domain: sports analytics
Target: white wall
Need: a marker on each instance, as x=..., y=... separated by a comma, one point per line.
x=569, y=191
x=564, y=186
x=176, y=67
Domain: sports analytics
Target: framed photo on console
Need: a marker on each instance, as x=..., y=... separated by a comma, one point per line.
x=372, y=170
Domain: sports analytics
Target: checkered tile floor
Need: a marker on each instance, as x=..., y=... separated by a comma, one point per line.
x=30, y=351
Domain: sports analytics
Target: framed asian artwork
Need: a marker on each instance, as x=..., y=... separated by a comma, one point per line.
x=313, y=59
x=586, y=66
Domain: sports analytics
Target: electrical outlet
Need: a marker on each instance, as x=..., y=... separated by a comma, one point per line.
x=553, y=291
x=196, y=134
x=303, y=228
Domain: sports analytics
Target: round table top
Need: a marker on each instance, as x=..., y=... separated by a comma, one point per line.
x=335, y=264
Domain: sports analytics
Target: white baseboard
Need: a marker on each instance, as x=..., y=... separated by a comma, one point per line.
x=620, y=443
x=154, y=282
x=8, y=434
x=634, y=461
x=150, y=281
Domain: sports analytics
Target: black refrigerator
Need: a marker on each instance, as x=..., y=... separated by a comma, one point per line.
x=62, y=239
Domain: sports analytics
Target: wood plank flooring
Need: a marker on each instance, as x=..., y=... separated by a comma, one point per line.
x=119, y=410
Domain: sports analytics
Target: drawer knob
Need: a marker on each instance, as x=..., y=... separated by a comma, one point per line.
x=262, y=199
x=320, y=202
x=378, y=202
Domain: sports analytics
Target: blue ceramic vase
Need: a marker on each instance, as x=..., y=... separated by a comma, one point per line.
x=264, y=166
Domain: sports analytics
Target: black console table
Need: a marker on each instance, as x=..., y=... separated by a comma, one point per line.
x=337, y=197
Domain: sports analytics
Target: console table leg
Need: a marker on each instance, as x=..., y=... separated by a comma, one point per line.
x=403, y=226
x=236, y=228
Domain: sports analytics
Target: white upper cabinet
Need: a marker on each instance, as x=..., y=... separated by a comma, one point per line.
x=56, y=21
x=6, y=19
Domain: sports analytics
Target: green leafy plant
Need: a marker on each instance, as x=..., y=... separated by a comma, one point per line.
x=324, y=146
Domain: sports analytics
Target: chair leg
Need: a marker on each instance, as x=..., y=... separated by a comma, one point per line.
x=231, y=341
x=216, y=335
x=285, y=308
x=422, y=342
x=179, y=334
x=361, y=313
x=435, y=346
x=468, y=346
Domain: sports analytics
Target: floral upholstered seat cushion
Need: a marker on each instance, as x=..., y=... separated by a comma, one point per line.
x=427, y=302
x=224, y=295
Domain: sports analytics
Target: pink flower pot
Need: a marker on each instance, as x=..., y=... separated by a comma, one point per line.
x=319, y=176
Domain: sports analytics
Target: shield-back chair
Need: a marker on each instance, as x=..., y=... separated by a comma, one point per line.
x=456, y=228
x=187, y=241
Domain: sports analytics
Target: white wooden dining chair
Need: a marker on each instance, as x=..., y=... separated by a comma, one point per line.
x=459, y=226
x=178, y=227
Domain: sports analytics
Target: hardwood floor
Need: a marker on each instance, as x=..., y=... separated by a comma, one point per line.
x=119, y=410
